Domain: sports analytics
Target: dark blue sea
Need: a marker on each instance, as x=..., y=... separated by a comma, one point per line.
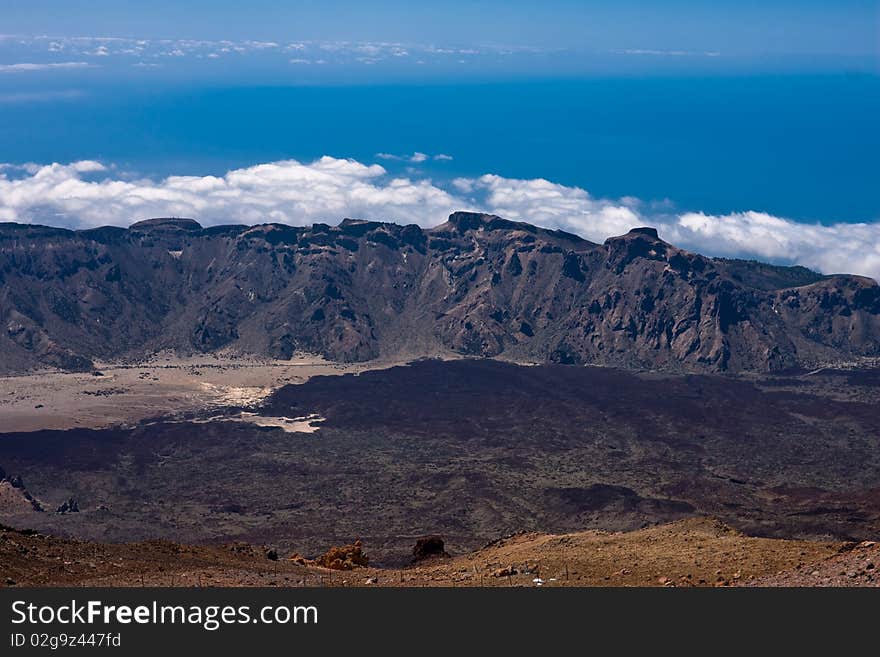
x=799, y=146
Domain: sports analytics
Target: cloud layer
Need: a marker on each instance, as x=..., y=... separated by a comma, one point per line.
x=159, y=52
x=87, y=194
x=27, y=67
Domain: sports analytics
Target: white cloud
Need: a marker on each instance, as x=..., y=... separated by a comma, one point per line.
x=289, y=191
x=837, y=248
x=668, y=53
x=415, y=158
x=87, y=193
x=26, y=67
x=338, y=52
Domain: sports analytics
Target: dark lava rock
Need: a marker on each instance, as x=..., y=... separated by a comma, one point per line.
x=167, y=224
x=645, y=230
x=427, y=547
x=70, y=506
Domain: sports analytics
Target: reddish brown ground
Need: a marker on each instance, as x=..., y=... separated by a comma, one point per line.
x=853, y=567
x=693, y=552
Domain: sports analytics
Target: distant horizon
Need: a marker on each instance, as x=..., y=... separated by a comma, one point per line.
x=780, y=26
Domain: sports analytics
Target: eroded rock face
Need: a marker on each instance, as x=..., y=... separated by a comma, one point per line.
x=477, y=285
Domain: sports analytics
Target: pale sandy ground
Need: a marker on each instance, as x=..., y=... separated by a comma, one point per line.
x=166, y=385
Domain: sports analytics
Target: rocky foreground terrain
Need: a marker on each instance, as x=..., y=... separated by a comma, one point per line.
x=694, y=552
x=477, y=285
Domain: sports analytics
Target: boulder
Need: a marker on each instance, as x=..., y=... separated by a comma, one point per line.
x=345, y=557
x=428, y=546
x=70, y=506
x=504, y=572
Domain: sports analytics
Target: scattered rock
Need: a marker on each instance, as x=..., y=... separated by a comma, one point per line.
x=372, y=580
x=240, y=547
x=272, y=555
x=504, y=572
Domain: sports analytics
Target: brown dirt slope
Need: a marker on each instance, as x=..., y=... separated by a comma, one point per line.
x=692, y=552
x=855, y=566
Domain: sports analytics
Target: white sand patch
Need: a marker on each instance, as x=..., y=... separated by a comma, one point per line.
x=247, y=396
x=305, y=424
x=164, y=385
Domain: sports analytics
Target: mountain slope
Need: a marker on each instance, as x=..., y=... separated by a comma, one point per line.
x=475, y=285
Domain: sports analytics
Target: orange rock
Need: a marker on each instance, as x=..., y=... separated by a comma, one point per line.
x=345, y=557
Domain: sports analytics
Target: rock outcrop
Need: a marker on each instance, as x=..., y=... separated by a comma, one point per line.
x=428, y=547
x=345, y=557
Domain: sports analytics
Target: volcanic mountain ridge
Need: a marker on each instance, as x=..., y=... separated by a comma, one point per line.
x=477, y=285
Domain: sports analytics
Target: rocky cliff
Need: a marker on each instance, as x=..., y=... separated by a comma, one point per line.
x=475, y=285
